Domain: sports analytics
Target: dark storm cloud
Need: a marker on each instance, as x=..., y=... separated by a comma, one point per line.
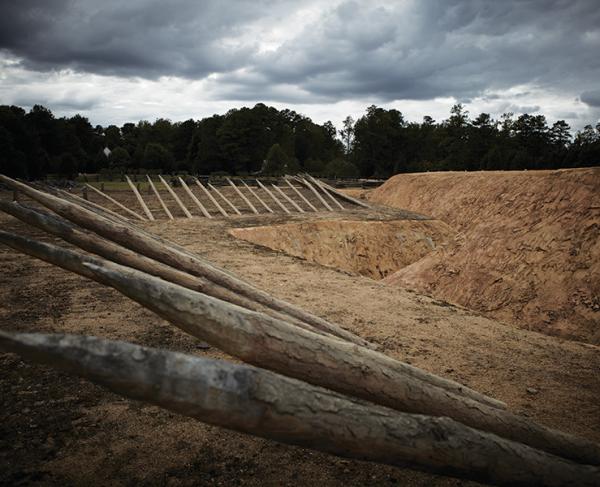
x=591, y=98
x=442, y=48
x=389, y=50
x=146, y=38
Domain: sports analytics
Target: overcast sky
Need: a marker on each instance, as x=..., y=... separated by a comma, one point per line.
x=116, y=61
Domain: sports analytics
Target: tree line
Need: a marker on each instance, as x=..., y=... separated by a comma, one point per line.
x=264, y=140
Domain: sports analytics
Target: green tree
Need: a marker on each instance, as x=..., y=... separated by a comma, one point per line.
x=279, y=163
x=341, y=168
x=119, y=159
x=156, y=156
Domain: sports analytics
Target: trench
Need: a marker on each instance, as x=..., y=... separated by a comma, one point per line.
x=373, y=249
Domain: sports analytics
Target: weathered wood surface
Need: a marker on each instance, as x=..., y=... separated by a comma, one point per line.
x=114, y=201
x=315, y=192
x=328, y=362
x=140, y=241
x=211, y=197
x=89, y=204
x=116, y=253
x=255, y=194
x=259, y=402
x=287, y=198
x=345, y=196
x=222, y=196
x=159, y=197
x=318, y=184
x=194, y=198
x=140, y=199
x=173, y=194
x=302, y=197
x=243, y=196
x=273, y=197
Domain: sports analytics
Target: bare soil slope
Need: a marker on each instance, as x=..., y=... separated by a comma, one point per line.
x=58, y=430
x=370, y=248
x=528, y=251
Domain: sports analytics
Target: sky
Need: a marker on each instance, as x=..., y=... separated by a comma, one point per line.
x=115, y=61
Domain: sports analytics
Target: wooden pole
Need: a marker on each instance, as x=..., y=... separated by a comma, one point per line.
x=345, y=196
x=319, y=185
x=140, y=199
x=157, y=194
x=186, y=212
x=269, y=343
x=138, y=240
x=231, y=205
x=241, y=195
x=257, y=197
x=273, y=197
x=316, y=193
x=95, y=207
x=114, y=201
x=302, y=197
x=143, y=242
x=211, y=198
x=121, y=255
x=287, y=198
x=194, y=199
x=254, y=401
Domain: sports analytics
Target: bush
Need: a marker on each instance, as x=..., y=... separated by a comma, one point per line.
x=339, y=168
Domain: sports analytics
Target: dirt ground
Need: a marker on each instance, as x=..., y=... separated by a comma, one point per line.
x=59, y=430
x=528, y=247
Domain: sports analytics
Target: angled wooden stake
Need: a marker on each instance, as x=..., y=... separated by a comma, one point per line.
x=194, y=199
x=287, y=198
x=157, y=194
x=310, y=205
x=175, y=197
x=257, y=197
x=140, y=199
x=95, y=207
x=319, y=185
x=211, y=197
x=112, y=200
x=345, y=196
x=231, y=205
x=241, y=195
x=273, y=197
x=317, y=194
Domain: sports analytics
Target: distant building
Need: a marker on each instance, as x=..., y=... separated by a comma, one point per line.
x=107, y=152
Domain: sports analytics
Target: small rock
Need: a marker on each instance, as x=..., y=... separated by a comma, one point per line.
x=531, y=390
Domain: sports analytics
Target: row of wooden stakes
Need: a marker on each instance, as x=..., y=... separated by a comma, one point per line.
x=304, y=380
x=328, y=198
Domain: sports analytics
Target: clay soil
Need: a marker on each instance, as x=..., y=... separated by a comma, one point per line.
x=528, y=247
x=56, y=429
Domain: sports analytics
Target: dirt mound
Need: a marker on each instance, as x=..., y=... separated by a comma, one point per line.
x=370, y=248
x=528, y=251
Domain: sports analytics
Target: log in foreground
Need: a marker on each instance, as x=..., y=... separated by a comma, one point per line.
x=123, y=256
x=261, y=340
x=134, y=239
x=114, y=252
x=259, y=402
x=76, y=262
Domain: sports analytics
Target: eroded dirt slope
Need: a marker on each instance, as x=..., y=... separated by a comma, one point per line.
x=370, y=248
x=528, y=251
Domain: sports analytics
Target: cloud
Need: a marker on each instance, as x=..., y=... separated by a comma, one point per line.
x=591, y=98
x=149, y=38
x=141, y=55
